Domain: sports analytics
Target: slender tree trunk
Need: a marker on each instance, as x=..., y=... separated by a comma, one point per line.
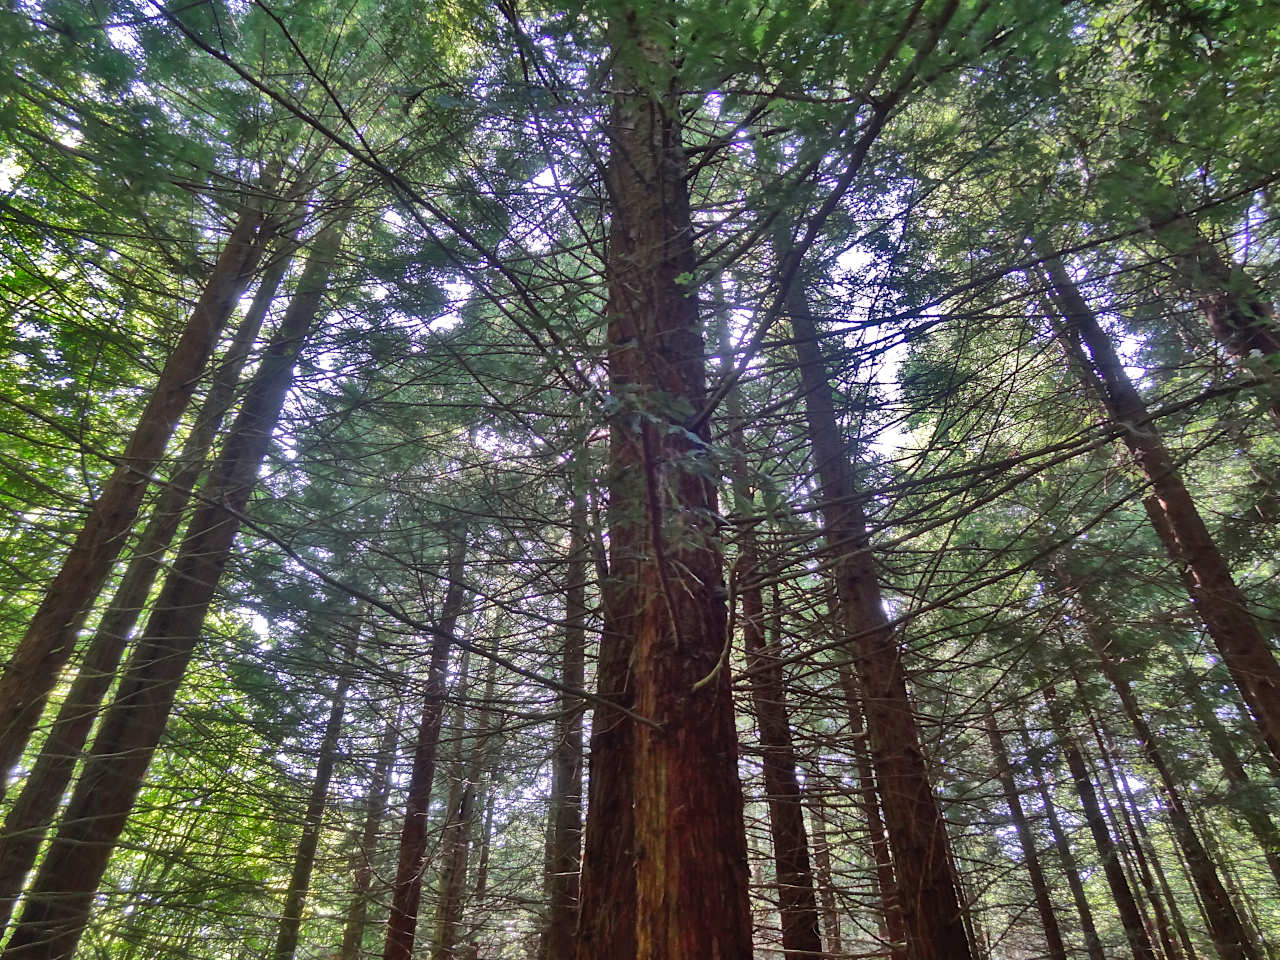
x=1031, y=858
x=1091, y=940
x=58, y=904
x=797, y=903
x=1121, y=893
x=1229, y=936
x=1121, y=786
x=456, y=846
x=1134, y=853
x=893, y=928
x=407, y=891
x=926, y=886
x=823, y=875
x=50, y=638
x=564, y=838
x=375, y=809
x=683, y=841
x=313, y=819
x=1242, y=793
x=33, y=811
x=1218, y=601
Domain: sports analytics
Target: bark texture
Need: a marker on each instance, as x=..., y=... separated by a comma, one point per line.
x=1217, y=598
x=58, y=903
x=47, y=643
x=665, y=614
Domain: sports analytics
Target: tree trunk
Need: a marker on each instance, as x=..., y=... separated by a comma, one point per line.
x=564, y=838
x=916, y=831
x=1217, y=599
x=407, y=891
x=1134, y=853
x=1121, y=893
x=375, y=809
x=50, y=638
x=1234, y=305
x=313, y=819
x=1229, y=936
x=60, y=898
x=1092, y=943
x=797, y=905
x=1243, y=795
x=31, y=814
x=1031, y=858
x=823, y=875
x=456, y=846
x=684, y=841
x=893, y=926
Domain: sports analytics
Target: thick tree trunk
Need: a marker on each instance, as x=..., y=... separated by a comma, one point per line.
x=1217, y=599
x=31, y=814
x=1229, y=936
x=1093, y=945
x=916, y=831
x=1121, y=893
x=313, y=818
x=60, y=898
x=665, y=611
x=375, y=809
x=564, y=836
x=1031, y=858
x=406, y=894
x=50, y=638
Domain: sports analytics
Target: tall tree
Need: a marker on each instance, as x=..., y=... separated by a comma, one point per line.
x=58, y=902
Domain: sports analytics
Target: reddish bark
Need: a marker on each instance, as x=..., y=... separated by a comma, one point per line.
x=34, y=809
x=1217, y=598
x=58, y=903
x=406, y=896
x=1030, y=856
x=665, y=610
x=50, y=637
x=797, y=904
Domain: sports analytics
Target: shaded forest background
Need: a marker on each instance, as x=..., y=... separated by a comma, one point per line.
x=648, y=479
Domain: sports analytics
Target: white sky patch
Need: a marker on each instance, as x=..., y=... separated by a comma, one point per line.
x=10, y=173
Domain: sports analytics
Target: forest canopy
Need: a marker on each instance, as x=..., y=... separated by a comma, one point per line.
x=640, y=480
